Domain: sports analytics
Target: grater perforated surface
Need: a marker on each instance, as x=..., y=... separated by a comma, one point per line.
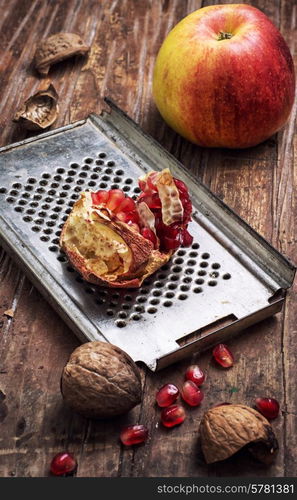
x=40, y=182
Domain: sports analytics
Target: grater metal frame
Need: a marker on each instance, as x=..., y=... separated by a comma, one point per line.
x=236, y=272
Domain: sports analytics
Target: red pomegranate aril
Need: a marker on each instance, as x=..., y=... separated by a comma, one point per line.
x=173, y=415
x=148, y=234
x=126, y=205
x=127, y=217
x=142, y=185
x=195, y=374
x=223, y=356
x=100, y=197
x=181, y=186
x=116, y=196
x=132, y=217
x=187, y=238
x=191, y=393
x=63, y=464
x=170, y=243
x=152, y=200
x=269, y=407
x=167, y=395
x=171, y=231
x=134, y=434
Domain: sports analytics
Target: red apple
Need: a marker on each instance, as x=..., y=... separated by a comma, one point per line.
x=224, y=77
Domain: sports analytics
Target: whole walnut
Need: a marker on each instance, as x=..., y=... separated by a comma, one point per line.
x=225, y=429
x=100, y=381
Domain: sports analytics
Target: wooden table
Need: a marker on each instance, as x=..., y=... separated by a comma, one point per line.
x=258, y=183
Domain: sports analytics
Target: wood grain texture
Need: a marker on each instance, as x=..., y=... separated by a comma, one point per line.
x=258, y=183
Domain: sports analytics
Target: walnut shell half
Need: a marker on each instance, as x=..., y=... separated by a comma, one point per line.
x=56, y=48
x=106, y=251
x=226, y=429
x=40, y=111
x=100, y=381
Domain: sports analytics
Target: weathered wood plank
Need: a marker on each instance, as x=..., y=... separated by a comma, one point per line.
x=285, y=236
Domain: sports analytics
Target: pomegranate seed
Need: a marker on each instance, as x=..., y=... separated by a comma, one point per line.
x=269, y=407
x=170, y=243
x=148, y=234
x=116, y=196
x=195, y=374
x=100, y=197
x=187, y=238
x=173, y=415
x=152, y=200
x=142, y=186
x=181, y=186
x=133, y=217
x=63, y=464
x=223, y=355
x=167, y=395
x=191, y=393
x=127, y=205
x=134, y=434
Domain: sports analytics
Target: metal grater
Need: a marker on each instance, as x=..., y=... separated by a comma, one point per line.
x=230, y=277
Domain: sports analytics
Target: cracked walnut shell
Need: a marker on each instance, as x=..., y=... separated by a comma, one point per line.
x=40, y=111
x=226, y=429
x=56, y=48
x=100, y=381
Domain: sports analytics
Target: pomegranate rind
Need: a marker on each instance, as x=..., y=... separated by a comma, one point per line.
x=147, y=217
x=121, y=257
x=172, y=208
x=226, y=429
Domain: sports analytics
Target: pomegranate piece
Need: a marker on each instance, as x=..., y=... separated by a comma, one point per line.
x=195, y=374
x=223, y=356
x=170, y=243
x=191, y=393
x=152, y=200
x=134, y=434
x=115, y=200
x=63, y=464
x=167, y=395
x=269, y=407
x=148, y=234
x=176, y=234
x=181, y=186
x=100, y=197
x=187, y=238
x=173, y=415
x=166, y=238
x=116, y=196
x=126, y=205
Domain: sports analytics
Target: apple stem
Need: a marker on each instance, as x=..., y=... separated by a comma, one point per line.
x=224, y=35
